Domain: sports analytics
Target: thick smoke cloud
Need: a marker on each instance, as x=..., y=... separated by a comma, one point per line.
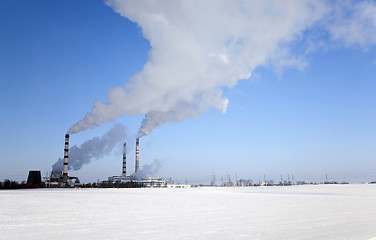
x=199, y=47
x=182, y=110
x=92, y=149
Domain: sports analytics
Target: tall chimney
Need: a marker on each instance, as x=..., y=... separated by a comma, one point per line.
x=66, y=150
x=137, y=154
x=124, y=160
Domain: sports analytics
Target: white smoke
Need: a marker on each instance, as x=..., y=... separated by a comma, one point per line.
x=198, y=47
x=354, y=24
x=149, y=170
x=183, y=110
x=92, y=149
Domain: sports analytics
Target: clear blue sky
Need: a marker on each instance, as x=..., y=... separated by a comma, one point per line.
x=57, y=57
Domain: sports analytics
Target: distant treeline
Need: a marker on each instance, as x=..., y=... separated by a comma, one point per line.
x=10, y=184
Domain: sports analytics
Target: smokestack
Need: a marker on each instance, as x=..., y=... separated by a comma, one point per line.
x=137, y=154
x=124, y=160
x=66, y=149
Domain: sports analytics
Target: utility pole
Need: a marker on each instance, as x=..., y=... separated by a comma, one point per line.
x=213, y=182
x=46, y=180
x=229, y=183
x=293, y=182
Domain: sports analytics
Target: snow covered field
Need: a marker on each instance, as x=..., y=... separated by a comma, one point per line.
x=296, y=212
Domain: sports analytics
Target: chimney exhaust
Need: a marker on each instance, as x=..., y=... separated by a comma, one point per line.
x=137, y=154
x=124, y=160
x=66, y=150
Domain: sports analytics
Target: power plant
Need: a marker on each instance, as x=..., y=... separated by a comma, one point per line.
x=136, y=179
x=59, y=179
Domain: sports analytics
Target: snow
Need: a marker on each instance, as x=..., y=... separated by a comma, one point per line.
x=295, y=212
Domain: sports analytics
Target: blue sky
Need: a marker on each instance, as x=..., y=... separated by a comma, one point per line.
x=312, y=116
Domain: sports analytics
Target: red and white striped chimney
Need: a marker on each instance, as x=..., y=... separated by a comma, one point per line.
x=137, y=154
x=124, y=160
x=66, y=150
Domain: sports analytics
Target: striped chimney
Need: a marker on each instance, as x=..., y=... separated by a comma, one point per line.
x=124, y=160
x=137, y=154
x=66, y=150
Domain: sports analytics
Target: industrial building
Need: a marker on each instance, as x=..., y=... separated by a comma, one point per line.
x=58, y=180
x=144, y=181
x=34, y=178
x=61, y=179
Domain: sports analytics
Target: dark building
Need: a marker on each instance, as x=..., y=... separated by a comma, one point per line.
x=34, y=178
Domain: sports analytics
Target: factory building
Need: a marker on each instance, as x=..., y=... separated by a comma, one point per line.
x=57, y=179
x=142, y=182
x=149, y=182
x=133, y=179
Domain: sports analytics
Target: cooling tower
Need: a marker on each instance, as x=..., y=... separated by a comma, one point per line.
x=124, y=160
x=66, y=150
x=137, y=154
x=34, y=178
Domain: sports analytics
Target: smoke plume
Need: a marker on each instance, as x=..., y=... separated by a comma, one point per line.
x=183, y=110
x=199, y=47
x=92, y=149
x=149, y=170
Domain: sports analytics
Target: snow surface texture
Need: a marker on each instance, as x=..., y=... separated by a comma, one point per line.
x=296, y=212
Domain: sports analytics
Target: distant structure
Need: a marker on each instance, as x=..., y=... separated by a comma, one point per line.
x=66, y=150
x=137, y=165
x=61, y=179
x=124, y=160
x=56, y=176
x=58, y=180
x=34, y=178
x=135, y=180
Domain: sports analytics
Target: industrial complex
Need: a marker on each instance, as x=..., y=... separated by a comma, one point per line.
x=62, y=179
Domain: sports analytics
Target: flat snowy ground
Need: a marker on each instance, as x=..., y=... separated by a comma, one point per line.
x=296, y=212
